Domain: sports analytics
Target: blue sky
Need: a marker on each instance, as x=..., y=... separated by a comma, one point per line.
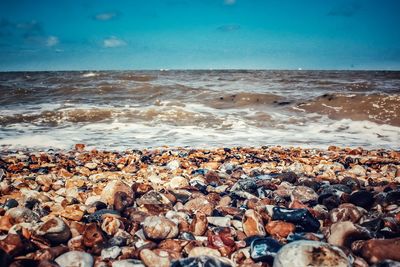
x=199, y=34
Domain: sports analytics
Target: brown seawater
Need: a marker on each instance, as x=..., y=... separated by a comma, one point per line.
x=215, y=108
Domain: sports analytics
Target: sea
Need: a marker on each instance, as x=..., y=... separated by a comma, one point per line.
x=120, y=110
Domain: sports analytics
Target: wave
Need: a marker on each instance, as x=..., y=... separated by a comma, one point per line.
x=379, y=108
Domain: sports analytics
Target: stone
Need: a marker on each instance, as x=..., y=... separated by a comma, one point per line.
x=264, y=249
x=128, y=263
x=202, y=261
x=72, y=212
x=199, y=224
x=302, y=218
x=362, y=198
x=55, y=230
x=199, y=204
x=92, y=235
x=110, y=253
x=91, y=165
x=219, y=221
x=310, y=253
x=150, y=258
x=345, y=212
x=204, y=251
x=74, y=259
x=158, y=228
x=110, y=190
x=358, y=170
x=304, y=194
x=252, y=223
x=280, y=229
x=376, y=250
x=21, y=214
x=178, y=182
x=344, y=233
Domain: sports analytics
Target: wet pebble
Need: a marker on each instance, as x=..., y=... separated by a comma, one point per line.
x=264, y=249
x=158, y=228
x=310, y=253
x=302, y=218
x=74, y=259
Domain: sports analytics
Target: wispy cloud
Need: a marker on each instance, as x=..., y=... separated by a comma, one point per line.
x=52, y=41
x=229, y=2
x=228, y=28
x=113, y=42
x=348, y=9
x=106, y=16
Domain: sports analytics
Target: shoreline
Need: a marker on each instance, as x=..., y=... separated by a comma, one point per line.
x=180, y=206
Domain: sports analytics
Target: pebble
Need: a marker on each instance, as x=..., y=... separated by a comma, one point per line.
x=280, y=229
x=204, y=251
x=376, y=250
x=264, y=249
x=110, y=253
x=158, y=228
x=74, y=259
x=252, y=223
x=303, y=194
x=310, y=253
x=302, y=218
x=197, y=207
x=55, y=230
x=344, y=233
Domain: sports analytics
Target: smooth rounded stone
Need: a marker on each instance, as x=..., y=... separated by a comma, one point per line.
x=310, y=253
x=110, y=253
x=252, y=223
x=199, y=224
x=157, y=228
x=302, y=218
x=358, y=170
x=74, y=259
x=150, y=258
x=280, y=229
x=346, y=212
x=376, y=250
x=329, y=199
x=199, y=205
x=128, y=263
x=204, y=251
x=264, y=249
x=91, y=165
x=393, y=197
x=178, y=182
x=344, y=233
x=10, y=203
x=173, y=165
x=202, y=261
x=303, y=194
x=55, y=230
x=219, y=221
x=21, y=214
x=110, y=190
x=290, y=177
x=362, y=198
x=92, y=200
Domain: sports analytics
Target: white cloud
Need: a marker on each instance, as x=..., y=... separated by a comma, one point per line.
x=105, y=16
x=52, y=41
x=113, y=42
x=230, y=2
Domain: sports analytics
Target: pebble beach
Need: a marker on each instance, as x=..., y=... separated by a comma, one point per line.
x=238, y=206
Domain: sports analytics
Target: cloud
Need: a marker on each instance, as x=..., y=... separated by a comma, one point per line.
x=52, y=41
x=345, y=10
x=106, y=16
x=229, y=2
x=229, y=28
x=113, y=42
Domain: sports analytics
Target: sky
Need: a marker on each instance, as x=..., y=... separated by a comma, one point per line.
x=199, y=34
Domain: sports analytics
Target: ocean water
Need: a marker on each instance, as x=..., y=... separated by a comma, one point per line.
x=118, y=110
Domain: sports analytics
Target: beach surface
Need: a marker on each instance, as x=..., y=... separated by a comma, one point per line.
x=237, y=206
